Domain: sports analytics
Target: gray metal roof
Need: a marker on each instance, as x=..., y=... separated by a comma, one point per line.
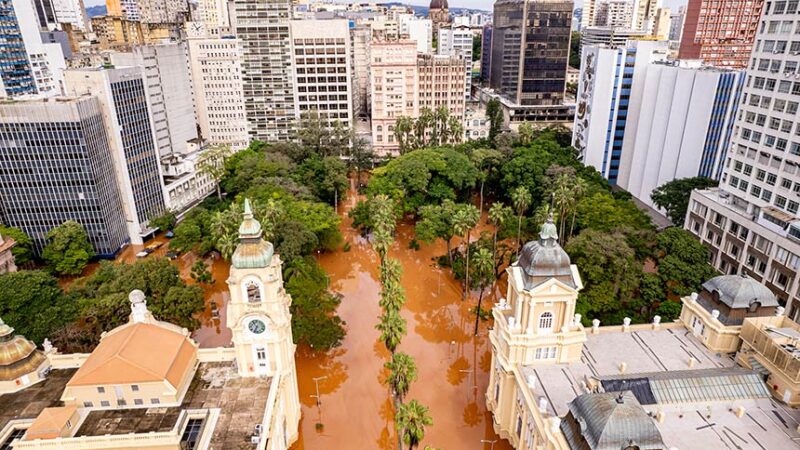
x=612, y=421
x=739, y=291
x=690, y=386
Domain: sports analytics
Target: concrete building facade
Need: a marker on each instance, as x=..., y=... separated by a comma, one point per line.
x=262, y=27
x=217, y=83
x=457, y=41
x=57, y=165
x=122, y=95
x=321, y=66
x=394, y=89
x=720, y=33
x=751, y=223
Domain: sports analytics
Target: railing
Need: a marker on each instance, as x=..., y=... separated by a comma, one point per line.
x=782, y=360
x=67, y=361
x=216, y=354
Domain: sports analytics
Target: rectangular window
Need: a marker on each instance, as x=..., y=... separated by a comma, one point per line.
x=155, y=401
x=135, y=387
x=101, y=390
x=88, y=404
x=138, y=401
x=105, y=403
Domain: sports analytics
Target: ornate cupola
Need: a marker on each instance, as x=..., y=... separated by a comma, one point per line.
x=20, y=361
x=544, y=259
x=253, y=251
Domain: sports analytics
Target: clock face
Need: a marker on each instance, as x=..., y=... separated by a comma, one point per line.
x=256, y=326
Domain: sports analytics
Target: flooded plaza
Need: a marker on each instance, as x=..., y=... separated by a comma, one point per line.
x=355, y=408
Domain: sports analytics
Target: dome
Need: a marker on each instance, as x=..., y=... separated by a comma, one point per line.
x=438, y=4
x=253, y=251
x=18, y=356
x=611, y=421
x=740, y=291
x=544, y=259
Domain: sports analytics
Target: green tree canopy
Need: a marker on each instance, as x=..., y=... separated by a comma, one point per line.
x=682, y=262
x=23, y=250
x=314, y=319
x=68, y=249
x=674, y=196
x=33, y=304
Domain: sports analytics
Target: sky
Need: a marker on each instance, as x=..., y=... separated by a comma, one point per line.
x=475, y=4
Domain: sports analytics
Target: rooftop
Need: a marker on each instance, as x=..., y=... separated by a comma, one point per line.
x=660, y=358
x=241, y=403
x=29, y=402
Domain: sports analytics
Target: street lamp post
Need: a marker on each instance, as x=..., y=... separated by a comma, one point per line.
x=316, y=386
x=485, y=441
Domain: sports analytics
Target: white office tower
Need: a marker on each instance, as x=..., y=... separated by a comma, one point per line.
x=72, y=12
x=419, y=30
x=642, y=121
x=457, y=41
x=751, y=222
x=321, y=70
x=614, y=13
x=45, y=60
x=169, y=93
x=216, y=71
x=122, y=96
x=215, y=16
x=262, y=27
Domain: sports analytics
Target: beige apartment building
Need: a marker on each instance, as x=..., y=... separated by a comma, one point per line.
x=321, y=67
x=394, y=90
x=441, y=79
x=147, y=385
x=556, y=384
x=216, y=71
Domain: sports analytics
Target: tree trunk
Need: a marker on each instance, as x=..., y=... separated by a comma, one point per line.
x=466, y=271
x=572, y=224
x=449, y=252
x=494, y=252
x=519, y=233
x=219, y=192
x=480, y=207
x=478, y=312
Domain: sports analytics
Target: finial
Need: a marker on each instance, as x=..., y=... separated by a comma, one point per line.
x=139, y=312
x=549, y=230
x=136, y=296
x=248, y=213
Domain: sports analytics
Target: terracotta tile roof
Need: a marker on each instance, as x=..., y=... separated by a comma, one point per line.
x=50, y=422
x=126, y=356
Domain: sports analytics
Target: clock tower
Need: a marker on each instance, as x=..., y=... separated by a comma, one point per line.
x=258, y=315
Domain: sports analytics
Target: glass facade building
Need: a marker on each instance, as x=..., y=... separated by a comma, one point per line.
x=56, y=165
x=530, y=50
x=15, y=68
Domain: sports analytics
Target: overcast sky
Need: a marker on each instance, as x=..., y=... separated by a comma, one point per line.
x=477, y=4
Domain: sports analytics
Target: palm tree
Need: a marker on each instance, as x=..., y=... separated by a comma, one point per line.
x=402, y=372
x=227, y=245
x=392, y=327
x=383, y=224
x=391, y=270
x=563, y=200
x=410, y=421
x=455, y=129
x=465, y=218
x=392, y=296
x=484, y=271
x=522, y=200
x=579, y=189
x=498, y=214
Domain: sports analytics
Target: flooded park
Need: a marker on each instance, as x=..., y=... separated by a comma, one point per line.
x=355, y=410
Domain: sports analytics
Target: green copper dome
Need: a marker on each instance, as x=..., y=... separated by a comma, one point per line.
x=253, y=252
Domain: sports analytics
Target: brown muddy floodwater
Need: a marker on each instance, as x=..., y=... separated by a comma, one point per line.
x=356, y=411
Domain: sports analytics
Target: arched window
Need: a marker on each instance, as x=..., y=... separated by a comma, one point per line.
x=754, y=305
x=545, y=321
x=253, y=291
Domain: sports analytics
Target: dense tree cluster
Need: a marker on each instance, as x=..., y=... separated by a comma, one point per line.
x=674, y=196
x=531, y=175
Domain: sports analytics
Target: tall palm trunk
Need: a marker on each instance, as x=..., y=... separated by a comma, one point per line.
x=478, y=311
x=494, y=253
x=480, y=207
x=466, y=272
x=519, y=233
x=449, y=252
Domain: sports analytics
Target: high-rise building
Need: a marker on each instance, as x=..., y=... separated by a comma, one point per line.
x=676, y=24
x=28, y=64
x=662, y=24
x=169, y=93
x=216, y=70
x=530, y=50
x=321, y=70
x=751, y=223
x=419, y=30
x=614, y=13
x=457, y=41
x=721, y=33
x=360, y=39
x=655, y=121
x=394, y=89
x=441, y=78
x=486, y=52
x=644, y=14
x=262, y=27
x=215, y=16
x=73, y=13
x=613, y=37
x=56, y=165
x=122, y=95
